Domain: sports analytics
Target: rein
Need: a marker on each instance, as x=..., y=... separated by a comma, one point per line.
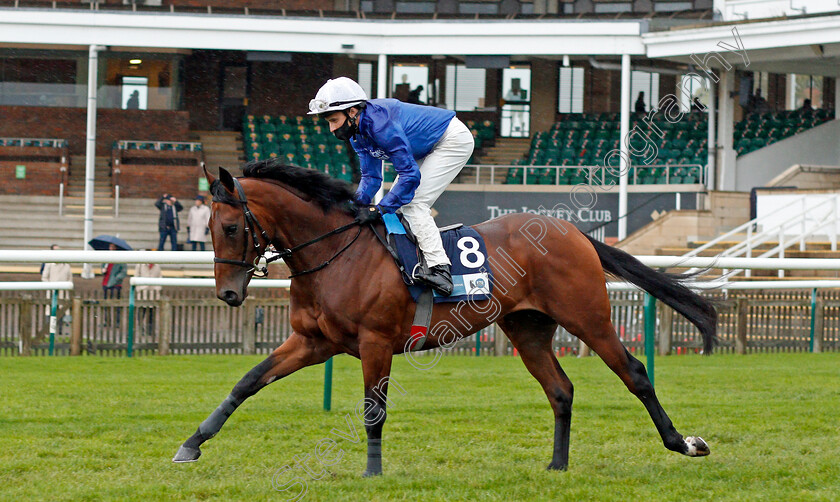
x=251, y=225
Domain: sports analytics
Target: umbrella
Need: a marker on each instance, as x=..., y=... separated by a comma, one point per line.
x=103, y=242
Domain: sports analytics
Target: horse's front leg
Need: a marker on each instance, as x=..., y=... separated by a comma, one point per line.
x=376, y=366
x=295, y=353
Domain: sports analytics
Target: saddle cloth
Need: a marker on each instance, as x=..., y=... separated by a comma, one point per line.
x=472, y=278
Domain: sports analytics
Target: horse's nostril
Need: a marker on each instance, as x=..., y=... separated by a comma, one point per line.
x=230, y=296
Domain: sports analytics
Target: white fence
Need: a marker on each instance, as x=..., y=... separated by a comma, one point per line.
x=185, y=318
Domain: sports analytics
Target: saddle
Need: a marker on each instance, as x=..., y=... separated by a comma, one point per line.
x=471, y=275
x=465, y=248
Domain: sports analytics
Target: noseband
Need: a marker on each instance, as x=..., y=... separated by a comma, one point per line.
x=251, y=227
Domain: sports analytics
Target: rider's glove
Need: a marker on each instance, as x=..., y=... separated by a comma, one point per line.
x=367, y=214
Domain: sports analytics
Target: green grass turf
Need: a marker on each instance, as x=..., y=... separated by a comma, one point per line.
x=468, y=429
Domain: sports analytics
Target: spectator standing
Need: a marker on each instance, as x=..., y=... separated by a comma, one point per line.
x=133, y=102
x=56, y=272
x=168, y=223
x=640, y=103
x=197, y=221
x=517, y=99
x=146, y=315
x=113, y=275
x=414, y=96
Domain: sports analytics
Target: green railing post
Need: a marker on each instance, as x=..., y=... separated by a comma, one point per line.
x=650, y=330
x=328, y=368
x=478, y=343
x=129, y=351
x=813, y=318
x=53, y=309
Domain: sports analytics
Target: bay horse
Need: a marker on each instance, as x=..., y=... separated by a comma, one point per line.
x=347, y=296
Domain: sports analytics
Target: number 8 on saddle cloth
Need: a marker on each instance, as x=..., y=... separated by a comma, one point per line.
x=472, y=278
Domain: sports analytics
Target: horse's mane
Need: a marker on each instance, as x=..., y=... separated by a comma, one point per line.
x=324, y=190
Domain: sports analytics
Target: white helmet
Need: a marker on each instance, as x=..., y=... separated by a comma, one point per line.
x=337, y=94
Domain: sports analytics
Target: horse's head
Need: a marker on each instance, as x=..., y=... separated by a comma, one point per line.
x=233, y=239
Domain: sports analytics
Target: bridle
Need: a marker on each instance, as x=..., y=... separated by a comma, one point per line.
x=251, y=227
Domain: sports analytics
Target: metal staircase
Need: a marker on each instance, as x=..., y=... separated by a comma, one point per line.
x=803, y=218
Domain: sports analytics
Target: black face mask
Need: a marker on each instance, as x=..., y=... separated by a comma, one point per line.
x=347, y=130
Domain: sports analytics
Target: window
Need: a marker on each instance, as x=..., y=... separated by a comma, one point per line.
x=39, y=78
x=648, y=83
x=806, y=87
x=760, y=82
x=570, y=93
x=409, y=83
x=516, y=93
x=366, y=78
x=416, y=7
x=478, y=8
x=36, y=80
x=672, y=6
x=135, y=93
x=692, y=86
x=157, y=80
x=366, y=5
x=605, y=8
x=465, y=87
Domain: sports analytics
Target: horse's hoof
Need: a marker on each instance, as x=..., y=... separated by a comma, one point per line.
x=186, y=454
x=557, y=467
x=696, y=447
x=370, y=474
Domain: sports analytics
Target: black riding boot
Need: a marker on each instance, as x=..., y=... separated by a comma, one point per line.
x=438, y=277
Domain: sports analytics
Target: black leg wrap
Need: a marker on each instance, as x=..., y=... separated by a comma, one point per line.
x=374, y=458
x=212, y=424
x=562, y=430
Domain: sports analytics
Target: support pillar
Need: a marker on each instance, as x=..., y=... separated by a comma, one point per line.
x=90, y=150
x=381, y=93
x=712, y=140
x=725, y=129
x=624, y=147
x=836, y=98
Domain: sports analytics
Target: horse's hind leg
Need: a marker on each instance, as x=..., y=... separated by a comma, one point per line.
x=296, y=352
x=531, y=333
x=601, y=337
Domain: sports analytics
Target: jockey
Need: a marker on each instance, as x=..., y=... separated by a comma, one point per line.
x=428, y=147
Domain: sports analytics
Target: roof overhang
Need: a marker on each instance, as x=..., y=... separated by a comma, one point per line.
x=804, y=45
x=317, y=35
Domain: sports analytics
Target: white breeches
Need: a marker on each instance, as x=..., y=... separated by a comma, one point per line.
x=437, y=170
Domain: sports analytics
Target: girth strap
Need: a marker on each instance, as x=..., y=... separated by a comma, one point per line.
x=422, y=320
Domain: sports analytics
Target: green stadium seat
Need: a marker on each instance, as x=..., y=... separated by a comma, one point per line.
x=269, y=148
x=269, y=137
x=345, y=173
x=679, y=144
x=389, y=174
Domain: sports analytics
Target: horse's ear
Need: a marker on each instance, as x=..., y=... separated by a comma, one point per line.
x=209, y=177
x=226, y=179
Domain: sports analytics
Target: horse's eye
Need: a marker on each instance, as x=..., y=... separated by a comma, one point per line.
x=230, y=230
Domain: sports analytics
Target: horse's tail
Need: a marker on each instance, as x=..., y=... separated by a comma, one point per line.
x=666, y=287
